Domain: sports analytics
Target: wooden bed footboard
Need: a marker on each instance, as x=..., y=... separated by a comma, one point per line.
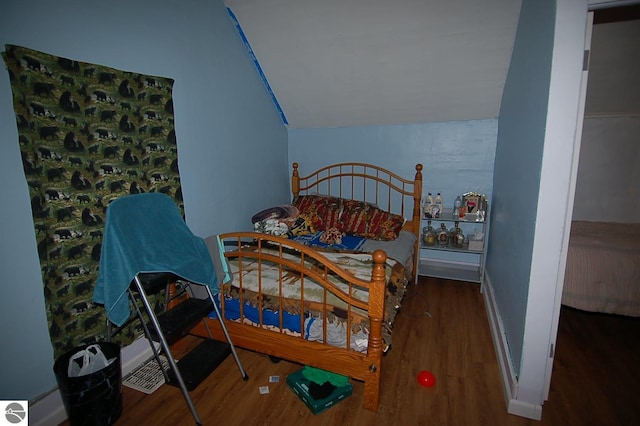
x=307, y=267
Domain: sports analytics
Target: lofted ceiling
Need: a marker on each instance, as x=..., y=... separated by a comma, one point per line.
x=337, y=63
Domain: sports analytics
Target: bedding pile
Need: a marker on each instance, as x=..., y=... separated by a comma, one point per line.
x=329, y=222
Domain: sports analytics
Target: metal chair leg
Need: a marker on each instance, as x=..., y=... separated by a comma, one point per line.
x=147, y=334
x=165, y=347
x=244, y=374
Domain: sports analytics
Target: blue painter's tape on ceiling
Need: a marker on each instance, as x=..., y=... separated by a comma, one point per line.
x=257, y=65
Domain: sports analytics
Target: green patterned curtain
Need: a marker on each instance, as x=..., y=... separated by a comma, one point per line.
x=88, y=134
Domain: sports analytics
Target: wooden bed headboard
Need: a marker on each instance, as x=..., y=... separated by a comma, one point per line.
x=366, y=182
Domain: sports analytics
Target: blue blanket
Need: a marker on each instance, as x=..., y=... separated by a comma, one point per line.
x=146, y=233
x=349, y=242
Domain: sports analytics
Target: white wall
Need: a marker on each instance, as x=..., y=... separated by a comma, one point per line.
x=614, y=66
x=608, y=181
x=228, y=136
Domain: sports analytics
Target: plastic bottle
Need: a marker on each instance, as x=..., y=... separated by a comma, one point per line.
x=437, y=203
x=426, y=209
x=456, y=206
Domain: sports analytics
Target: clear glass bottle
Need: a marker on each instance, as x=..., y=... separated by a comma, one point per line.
x=429, y=236
x=452, y=235
x=456, y=236
x=457, y=204
x=443, y=236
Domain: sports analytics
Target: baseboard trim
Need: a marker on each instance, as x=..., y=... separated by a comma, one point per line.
x=49, y=410
x=507, y=373
x=508, y=376
x=525, y=409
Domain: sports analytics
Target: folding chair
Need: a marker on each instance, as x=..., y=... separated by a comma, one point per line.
x=146, y=246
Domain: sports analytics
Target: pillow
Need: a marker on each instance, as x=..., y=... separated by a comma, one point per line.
x=308, y=206
x=220, y=264
x=353, y=220
x=359, y=218
x=364, y=220
x=331, y=217
x=323, y=211
x=384, y=225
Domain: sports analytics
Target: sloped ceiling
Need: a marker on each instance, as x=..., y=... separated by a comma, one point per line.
x=336, y=63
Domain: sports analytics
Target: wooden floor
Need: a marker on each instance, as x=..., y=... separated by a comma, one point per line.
x=443, y=328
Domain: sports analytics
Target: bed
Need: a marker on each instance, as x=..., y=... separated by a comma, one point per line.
x=603, y=268
x=324, y=305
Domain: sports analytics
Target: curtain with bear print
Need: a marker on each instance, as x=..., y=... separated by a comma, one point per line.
x=88, y=134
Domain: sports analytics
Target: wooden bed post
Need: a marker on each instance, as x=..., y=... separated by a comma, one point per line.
x=417, y=194
x=417, y=217
x=376, y=313
x=295, y=181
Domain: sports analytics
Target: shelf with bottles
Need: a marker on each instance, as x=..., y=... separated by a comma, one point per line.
x=454, y=247
x=448, y=216
x=464, y=248
x=453, y=235
x=468, y=207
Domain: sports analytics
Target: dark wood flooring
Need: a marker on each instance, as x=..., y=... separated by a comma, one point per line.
x=443, y=328
x=596, y=371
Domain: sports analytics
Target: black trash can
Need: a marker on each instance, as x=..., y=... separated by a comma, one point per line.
x=95, y=398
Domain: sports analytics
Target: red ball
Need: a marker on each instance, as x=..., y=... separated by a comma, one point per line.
x=426, y=378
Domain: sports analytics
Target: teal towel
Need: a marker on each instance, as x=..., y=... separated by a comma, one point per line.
x=146, y=233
